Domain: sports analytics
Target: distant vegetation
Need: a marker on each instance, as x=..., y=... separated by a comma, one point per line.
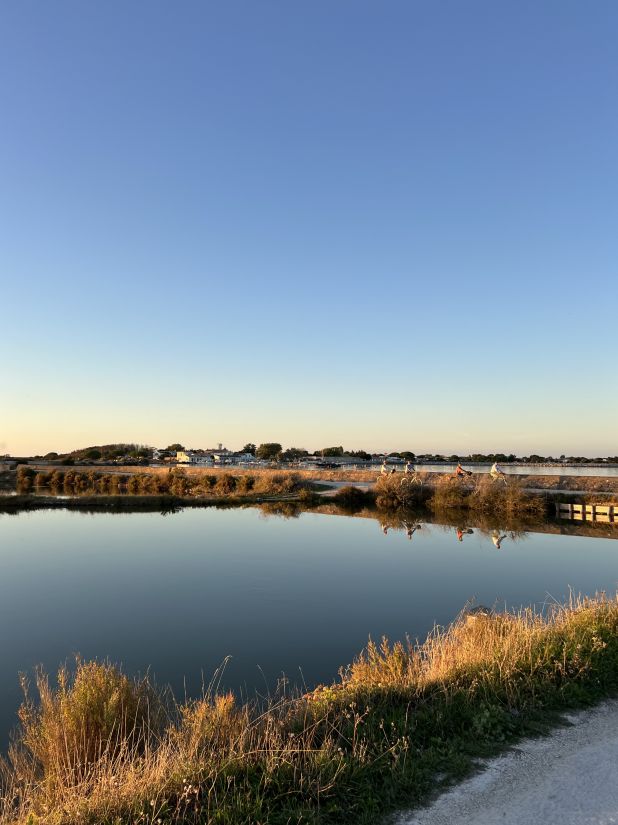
x=105, y=452
x=101, y=747
x=274, y=451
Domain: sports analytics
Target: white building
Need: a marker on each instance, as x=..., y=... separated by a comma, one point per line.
x=195, y=459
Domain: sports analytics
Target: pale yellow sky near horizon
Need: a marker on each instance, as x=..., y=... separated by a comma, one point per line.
x=33, y=433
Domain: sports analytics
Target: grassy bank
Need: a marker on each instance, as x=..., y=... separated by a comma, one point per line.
x=479, y=494
x=102, y=748
x=486, y=495
x=176, y=483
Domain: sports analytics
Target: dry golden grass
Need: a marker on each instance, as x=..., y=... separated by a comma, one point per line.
x=484, y=494
x=100, y=749
x=174, y=482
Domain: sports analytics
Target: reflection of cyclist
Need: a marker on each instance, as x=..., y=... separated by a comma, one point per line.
x=497, y=538
x=461, y=533
x=384, y=529
x=410, y=530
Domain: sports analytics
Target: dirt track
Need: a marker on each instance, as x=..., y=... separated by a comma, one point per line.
x=567, y=778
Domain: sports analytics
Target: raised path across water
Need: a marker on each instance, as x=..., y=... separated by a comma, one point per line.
x=567, y=778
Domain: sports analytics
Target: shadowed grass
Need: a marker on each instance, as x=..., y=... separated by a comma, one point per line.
x=94, y=750
x=351, y=499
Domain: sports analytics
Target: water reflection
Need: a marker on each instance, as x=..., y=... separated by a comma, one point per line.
x=276, y=587
x=496, y=537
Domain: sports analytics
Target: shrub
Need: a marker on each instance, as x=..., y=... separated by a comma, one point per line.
x=351, y=498
x=133, y=484
x=449, y=492
x=25, y=478
x=69, y=481
x=178, y=483
x=395, y=491
x=56, y=479
x=245, y=484
x=95, y=711
x=509, y=499
x=226, y=484
x=208, y=483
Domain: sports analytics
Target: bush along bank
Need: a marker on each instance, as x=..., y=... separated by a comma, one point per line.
x=103, y=748
x=174, y=483
x=480, y=494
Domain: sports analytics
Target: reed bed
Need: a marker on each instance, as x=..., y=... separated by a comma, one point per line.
x=100, y=747
x=485, y=495
x=175, y=482
x=399, y=491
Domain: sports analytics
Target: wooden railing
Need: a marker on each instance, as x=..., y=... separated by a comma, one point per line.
x=588, y=512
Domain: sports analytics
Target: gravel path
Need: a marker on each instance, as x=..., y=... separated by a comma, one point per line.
x=567, y=778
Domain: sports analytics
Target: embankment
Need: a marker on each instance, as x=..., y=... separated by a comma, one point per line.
x=101, y=747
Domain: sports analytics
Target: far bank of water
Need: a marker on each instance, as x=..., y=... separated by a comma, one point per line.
x=179, y=593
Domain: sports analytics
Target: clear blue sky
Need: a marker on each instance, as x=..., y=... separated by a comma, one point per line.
x=382, y=225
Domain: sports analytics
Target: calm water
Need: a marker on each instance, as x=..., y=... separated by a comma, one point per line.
x=179, y=593
x=610, y=471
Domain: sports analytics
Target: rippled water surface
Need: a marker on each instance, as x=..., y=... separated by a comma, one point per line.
x=180, y=593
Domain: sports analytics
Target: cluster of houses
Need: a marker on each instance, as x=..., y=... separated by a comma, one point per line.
x=210, y=457
x=222, y=456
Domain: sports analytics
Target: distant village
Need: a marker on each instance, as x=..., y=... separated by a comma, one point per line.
x=222, y=456
x=273, y=455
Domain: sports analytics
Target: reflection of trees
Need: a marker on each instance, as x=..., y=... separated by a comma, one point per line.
x=282, y=509
x=169, y=510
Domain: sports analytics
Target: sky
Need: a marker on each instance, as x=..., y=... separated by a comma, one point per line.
x=390, y=226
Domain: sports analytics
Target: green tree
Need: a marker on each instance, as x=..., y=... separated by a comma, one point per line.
x=331, y=451
x=360, y=454
x=175, y=448
x=94, y=455
x=249, y=448
x=293, y=454
x=269, y=451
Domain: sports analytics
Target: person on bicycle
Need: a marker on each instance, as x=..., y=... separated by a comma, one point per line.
x=497, y=472
x=460, y=472
x=409, y=469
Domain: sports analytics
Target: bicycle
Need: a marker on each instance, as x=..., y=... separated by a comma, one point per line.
x=411, y=478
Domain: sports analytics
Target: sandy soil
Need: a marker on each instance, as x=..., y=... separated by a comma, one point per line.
x=567, y=778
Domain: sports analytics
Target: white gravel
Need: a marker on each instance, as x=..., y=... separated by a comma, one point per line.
x=567, y=778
